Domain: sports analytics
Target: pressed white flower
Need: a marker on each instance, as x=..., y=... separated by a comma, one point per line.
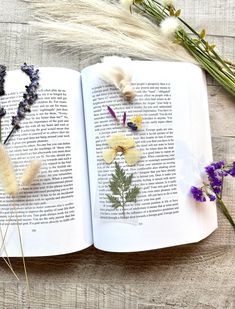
x=126, y=4
x=116, y=71
x=168, y=2
x=31, y=172
x=169, y=26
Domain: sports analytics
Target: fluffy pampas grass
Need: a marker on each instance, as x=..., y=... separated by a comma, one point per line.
x=97, y=28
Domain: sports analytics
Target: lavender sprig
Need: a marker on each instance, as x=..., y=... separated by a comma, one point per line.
x=2, y=79
x=2, y=92
x=214, y=188
x=29, y=98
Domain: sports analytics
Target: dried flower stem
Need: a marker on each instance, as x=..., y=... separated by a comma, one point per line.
x=22, y=252
x=10, y=134
x=198, y=47
x=7, y=260
x=220, y=203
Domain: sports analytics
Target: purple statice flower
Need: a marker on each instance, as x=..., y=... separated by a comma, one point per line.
x=215, y=173
x=211, y=197
x=218, y=165
x=2, y=79
x=198, y=194
x=231, y=172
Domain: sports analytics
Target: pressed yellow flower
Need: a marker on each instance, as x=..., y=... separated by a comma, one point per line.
x=137, y=120
x=125, y=145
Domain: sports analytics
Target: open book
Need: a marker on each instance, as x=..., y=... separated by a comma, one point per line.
x=67, y=209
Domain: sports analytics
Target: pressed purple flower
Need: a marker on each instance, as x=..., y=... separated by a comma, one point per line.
x=124, y=119
x=212, y=197
x=132, y=126
x=198, y=194
x=112, y=113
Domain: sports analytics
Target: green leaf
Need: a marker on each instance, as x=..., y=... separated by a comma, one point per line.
x=114, y=187
x=211, y=47
x=114, y=200
x=120, y=186
x=177, y=13
x=132, y=194
x=127, y=183
x=120, y=174
x=172, y=12
x=202, y=34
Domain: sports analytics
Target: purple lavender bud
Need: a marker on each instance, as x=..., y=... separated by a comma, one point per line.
x=2, y=79
x=2, y=112
x=16, y=122
x=124, y=119
x=112, y=113
x=29, y=97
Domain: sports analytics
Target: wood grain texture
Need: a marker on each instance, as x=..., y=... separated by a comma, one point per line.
x=192, y=276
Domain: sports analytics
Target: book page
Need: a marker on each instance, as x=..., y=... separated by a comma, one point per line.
x=175, y=145
x=54, y=212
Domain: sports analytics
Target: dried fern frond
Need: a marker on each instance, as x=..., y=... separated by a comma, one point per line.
x=97, y=28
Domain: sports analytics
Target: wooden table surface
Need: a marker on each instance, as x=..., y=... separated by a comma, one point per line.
x=193, y=276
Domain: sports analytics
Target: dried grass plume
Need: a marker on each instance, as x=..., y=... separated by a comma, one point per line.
x=31, y=172
x=97, y=28
x=7, y=173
